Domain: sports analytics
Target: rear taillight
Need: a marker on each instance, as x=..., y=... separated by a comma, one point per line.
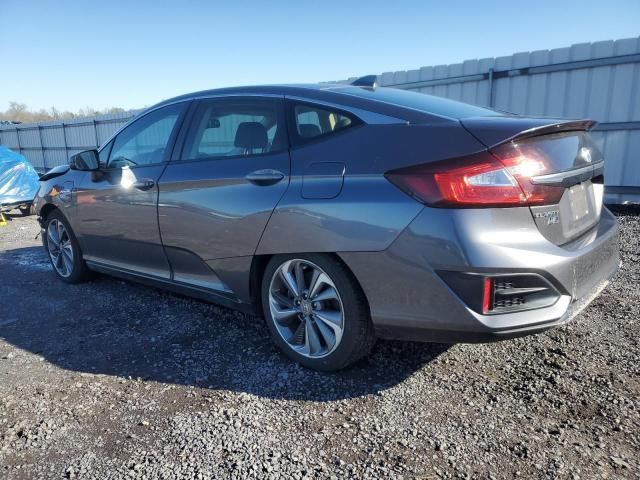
x=497, y=178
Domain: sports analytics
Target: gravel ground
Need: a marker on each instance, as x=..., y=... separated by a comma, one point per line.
x=111, y=379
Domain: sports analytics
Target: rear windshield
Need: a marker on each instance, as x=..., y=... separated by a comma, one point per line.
x=420, y=101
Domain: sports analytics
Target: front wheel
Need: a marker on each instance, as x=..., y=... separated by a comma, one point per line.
x=64, y=250
x=316, y=311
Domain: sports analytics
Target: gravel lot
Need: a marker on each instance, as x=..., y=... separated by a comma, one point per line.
x=115, y=380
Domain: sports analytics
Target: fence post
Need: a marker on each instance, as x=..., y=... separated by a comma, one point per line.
x=491, y=87
x=66, y=147
x=18, y=137
x=95, y=131
x=44, y=158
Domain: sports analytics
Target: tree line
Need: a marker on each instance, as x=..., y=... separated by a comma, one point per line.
x=21, y=113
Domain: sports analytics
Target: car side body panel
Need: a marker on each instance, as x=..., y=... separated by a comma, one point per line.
x=347, y=221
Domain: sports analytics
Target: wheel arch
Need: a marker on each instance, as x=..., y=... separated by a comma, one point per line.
x=259, y=265
x=46, y=210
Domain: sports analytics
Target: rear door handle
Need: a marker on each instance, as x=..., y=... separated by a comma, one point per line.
x=144, y=184
x=267, y=176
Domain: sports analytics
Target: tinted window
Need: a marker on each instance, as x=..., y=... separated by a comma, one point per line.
x=235, y=126
x=420, y=101
x=145, y=141
x=312, y=121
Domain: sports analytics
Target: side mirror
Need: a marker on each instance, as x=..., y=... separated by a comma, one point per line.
x=88, y=160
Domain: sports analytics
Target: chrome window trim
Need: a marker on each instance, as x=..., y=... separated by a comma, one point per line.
x=136, y=117
x=366, y=116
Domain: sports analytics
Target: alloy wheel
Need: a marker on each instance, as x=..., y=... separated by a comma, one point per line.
x=60, y=248
x=306, y=308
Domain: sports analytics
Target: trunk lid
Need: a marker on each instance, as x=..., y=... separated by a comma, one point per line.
x=565, y=164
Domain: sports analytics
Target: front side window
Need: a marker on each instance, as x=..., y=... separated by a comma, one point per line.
x=226, y=127
x=145, y=141
x=313, y=121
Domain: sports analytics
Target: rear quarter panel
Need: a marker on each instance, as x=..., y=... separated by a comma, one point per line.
x=369, y=212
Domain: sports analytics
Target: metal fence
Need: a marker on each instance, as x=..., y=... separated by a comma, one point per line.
x=592, y=80
x=598, y=80
x=51, y=143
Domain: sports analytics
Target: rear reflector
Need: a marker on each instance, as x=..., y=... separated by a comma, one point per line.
x=490, y=294
x=487, y=293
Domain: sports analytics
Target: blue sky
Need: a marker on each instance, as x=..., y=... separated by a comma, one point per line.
x=74, y=54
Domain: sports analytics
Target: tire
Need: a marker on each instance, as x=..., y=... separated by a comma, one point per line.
x=319, y=344
x=75, y=271
x=25, y=211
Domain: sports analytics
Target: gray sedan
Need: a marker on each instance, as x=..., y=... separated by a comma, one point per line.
x=343, y=213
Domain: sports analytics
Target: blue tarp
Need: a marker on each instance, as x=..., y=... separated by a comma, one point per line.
x=18, y=180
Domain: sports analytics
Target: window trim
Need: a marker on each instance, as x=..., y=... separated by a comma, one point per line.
x=178, y=154
x=170, y=142
x=297, y=141
x=108, y=145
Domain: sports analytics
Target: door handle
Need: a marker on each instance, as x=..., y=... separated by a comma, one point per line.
x=267, y=176
x=144, y=184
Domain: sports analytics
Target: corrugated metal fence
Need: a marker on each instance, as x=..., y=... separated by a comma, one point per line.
x=47, y=144
x=592, y=80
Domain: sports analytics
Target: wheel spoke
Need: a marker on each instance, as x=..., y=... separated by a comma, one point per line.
x=304, y=348
x=313, y=339
x=60, y=230
x=327, y=334
x=289, y=281
x=298, y=336
x=318, y=283
x=331, y=319
x=68, y=264
x=282, y=299
x=67, y=255
x=52, y=236
x=284, y=314
x=59, y=260
x=299, y=276
x=327, y=294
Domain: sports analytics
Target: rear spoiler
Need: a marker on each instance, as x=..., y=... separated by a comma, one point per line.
x=493, y=131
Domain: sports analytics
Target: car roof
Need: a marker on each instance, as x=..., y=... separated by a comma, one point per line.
x=399, y=104
x=278, y=89
x=337, y=94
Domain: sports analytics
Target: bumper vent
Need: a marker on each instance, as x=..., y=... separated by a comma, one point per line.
x=491, y=294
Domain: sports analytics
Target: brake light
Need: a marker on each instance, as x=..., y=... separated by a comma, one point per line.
x=496, y=178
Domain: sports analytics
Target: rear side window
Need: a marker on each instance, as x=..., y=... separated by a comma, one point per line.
x=226, y=127
x=313, y=121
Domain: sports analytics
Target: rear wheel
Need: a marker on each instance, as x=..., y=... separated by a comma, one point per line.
x=64, y=250
x=316, y=312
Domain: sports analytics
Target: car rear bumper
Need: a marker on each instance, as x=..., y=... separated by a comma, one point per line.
x=409, y=301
